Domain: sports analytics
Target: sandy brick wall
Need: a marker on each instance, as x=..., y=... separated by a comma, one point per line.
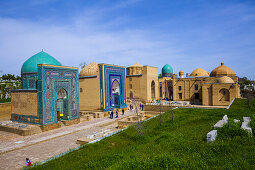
x=24, y=103
x=89, y=96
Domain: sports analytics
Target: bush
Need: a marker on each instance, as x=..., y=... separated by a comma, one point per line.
x=5, y=100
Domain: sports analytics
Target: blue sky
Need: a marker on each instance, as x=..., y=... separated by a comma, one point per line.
x=187, y=34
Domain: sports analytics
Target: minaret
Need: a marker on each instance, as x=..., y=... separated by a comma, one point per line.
x=181, y=74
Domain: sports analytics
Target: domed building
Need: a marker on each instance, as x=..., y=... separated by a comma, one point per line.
x=142, y=82
x=218, y=89
x=102, y=88
x=165, y=83
x=49, y=94
x=167, y=71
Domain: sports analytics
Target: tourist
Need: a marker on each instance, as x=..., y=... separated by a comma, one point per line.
x=116, y=114
x=109, y=113
x=142, y=106
x=123, y=111
x=28, y=162
x=112, y=114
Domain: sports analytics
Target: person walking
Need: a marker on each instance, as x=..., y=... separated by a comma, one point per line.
x=142, y=106
x=112, y=114
x=109, y=112
x=123, y=111
x=116, y=114
x=28, y=162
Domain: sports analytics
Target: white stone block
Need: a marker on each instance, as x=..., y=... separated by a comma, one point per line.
x=245, y=126
x=236, y=120
x=225, y=118
x=219, y=124
x=246, y=119
x=211, y=136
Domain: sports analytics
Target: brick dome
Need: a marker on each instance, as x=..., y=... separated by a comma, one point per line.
x=199, y=72
x=89, y=70
x=225, y=79
x=222, y=70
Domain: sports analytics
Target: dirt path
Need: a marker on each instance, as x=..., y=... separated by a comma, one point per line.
x=14, y=148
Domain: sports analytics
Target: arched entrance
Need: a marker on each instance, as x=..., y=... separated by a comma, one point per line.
x=115, y=93
x=224, y=95
x=170, y=93
x=62, y=105
x=131, y=95
x=152, y=89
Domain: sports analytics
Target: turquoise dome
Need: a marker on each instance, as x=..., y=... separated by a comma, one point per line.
x=40, y=58
x=167, y=69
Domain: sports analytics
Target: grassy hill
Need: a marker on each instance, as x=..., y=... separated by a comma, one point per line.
x=180, y=143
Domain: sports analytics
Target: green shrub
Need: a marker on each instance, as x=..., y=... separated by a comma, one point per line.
x=5, y=100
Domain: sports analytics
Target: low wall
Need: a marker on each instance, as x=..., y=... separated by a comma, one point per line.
x=5, y=111
x=23, y=132
x=157, y=108
x=71, y=122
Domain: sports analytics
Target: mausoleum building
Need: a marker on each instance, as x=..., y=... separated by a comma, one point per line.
x=218, y=88
x=102, y=87
x=142, y=83
x=49, y=94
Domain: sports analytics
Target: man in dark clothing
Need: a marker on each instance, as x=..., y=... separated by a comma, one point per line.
x=117, y=114
x=123, y=111
x=112, y=114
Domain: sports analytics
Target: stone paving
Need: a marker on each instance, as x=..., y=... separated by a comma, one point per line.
x=40, y=147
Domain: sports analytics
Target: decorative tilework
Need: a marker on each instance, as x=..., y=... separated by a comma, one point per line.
x=53, y=79
x=111, y=73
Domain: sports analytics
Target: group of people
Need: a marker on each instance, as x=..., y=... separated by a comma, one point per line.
x=140, y=107
x=117, y=115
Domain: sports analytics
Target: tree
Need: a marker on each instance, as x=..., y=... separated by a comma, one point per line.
x=138, y=125
x=82, y=65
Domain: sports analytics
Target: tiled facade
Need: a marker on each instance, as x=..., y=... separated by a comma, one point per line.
x=47, y=82
x=96, y=87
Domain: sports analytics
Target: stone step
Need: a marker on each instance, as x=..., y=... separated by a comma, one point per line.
x=211, y=136
x=83, y=140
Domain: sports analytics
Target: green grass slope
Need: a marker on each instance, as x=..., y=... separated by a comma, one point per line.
x=180, y=143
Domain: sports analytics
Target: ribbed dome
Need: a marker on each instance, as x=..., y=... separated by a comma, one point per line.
x=167, y=69
x=89, y=70
x=222, y=71
x=30, y=65
x=137, y=65
x=199, y=72
x=225, y=79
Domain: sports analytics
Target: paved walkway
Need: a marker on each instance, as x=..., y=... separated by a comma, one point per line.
x=45, y=145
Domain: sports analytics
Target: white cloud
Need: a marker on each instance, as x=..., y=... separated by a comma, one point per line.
x=74, y=43
x=94, y=34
